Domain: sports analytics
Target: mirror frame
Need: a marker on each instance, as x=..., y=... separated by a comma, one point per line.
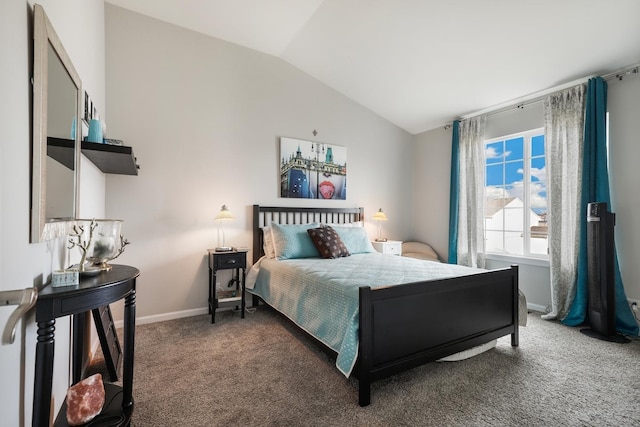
x=43, y=36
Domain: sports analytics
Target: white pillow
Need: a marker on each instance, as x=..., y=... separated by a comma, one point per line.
x=344, y=224
x=267, y=242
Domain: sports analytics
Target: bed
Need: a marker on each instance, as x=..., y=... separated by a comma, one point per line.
x=398, y=316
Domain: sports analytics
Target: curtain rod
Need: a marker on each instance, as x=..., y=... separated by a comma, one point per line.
x=535, y=97
x=620, y=74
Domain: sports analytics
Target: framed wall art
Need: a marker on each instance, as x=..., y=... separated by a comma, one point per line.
x=312, y=170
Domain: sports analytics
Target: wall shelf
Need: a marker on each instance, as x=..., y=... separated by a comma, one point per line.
x=62, y=150
x=109, y=158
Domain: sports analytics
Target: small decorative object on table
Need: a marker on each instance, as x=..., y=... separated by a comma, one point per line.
x=66, y=277
x=85, y=400
x=103, y=243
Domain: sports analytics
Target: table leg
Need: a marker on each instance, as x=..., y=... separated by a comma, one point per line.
x=214, y=300
x=43, y=379
x=210, y=288
x=242, y=294
x=79, y=320
x=129, y=333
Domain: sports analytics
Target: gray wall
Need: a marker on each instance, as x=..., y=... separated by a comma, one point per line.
x=204, y=117
x=80, y=26
x=431, y=169
x=624, y=151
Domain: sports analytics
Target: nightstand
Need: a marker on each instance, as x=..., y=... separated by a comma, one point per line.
x=393, y=247
x=230, y=295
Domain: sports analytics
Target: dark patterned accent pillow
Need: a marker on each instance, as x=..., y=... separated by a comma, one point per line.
x=328, y=242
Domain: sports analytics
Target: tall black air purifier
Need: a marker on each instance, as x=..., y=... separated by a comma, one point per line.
x=601, y=275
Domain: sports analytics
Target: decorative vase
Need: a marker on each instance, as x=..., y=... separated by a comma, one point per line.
x=95, y=131
x=106, y=244
x=99, y=241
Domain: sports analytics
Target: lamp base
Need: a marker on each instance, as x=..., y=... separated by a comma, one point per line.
x=224, y=249
x=381, y=239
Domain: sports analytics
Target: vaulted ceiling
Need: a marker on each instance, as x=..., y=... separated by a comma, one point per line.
x=422, y=63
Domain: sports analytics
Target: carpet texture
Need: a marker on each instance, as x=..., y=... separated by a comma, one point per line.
x=262, y=371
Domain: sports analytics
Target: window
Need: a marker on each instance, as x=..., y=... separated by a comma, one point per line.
x=516, y=195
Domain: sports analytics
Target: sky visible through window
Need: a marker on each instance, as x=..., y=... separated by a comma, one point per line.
x=505, y=161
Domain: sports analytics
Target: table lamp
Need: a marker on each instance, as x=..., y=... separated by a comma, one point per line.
x=223, y=216
x=380, y=216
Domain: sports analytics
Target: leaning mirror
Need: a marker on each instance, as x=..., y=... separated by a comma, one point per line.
x=56, y=133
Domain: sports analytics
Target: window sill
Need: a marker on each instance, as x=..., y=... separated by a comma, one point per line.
x=515, y=259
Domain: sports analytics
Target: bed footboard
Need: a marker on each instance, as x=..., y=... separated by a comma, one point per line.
x=411, y=324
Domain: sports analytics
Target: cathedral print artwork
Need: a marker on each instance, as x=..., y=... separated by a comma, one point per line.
x=312, y=170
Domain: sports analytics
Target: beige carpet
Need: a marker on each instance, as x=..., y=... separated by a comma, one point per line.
x=261, y=371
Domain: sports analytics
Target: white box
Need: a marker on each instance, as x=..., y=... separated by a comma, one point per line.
x=68, y=277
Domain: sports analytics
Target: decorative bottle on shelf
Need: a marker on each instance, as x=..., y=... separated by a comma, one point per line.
x=95, y=131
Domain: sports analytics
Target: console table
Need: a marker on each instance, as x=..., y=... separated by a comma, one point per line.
x=92, y=292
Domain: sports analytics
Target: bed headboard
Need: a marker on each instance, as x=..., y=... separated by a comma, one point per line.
x=265, y=215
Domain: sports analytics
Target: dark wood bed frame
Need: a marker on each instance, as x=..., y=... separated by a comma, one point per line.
x=407, y=325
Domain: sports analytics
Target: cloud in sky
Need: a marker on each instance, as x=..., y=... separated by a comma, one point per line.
x=491, y=153
x=537, y=189
x=540, y=174
x=492, y=192
x=537, y=193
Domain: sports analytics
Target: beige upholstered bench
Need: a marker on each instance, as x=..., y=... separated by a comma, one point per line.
x=419, y=250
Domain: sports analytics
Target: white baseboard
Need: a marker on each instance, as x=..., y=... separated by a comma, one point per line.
x=543, y=309
x=198, y=311
x=537, y=307
x=636, y=314
x=95, y=343
x=165, y=316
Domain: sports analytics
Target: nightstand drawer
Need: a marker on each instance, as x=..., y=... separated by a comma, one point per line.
x=224, y=261
x=391, y=247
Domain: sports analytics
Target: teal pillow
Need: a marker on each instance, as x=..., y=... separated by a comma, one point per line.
x=292, y=241
x=355, y=239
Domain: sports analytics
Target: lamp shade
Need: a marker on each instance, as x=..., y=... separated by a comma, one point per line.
x=224, y=214
x=379, y=216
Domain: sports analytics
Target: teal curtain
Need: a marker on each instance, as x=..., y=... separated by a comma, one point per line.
x=595, y=188
x=454, y=196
